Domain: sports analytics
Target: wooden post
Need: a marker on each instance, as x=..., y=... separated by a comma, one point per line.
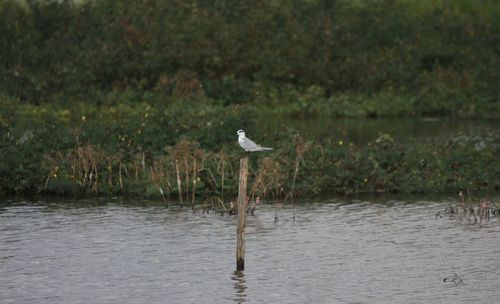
x=242, y=210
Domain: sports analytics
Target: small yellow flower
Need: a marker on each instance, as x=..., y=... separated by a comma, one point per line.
x=366, y=180
x=55, y=174
x=84, y=118
x=341, y=142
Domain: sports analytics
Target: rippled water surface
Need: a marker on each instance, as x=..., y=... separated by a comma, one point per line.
x=336, y=251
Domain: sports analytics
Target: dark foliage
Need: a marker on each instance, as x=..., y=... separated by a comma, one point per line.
x=443, y=54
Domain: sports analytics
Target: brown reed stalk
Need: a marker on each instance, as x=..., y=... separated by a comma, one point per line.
x=194, y=183
x=155, y=179
x=222, y=181
x=143, y=163
x=186, y=172
x=158, y=175
x=48, y=179
x=96, y=178
x=109, y=168
x=52, y=162
x=221, y=169
x=212, y=176
x=301, y=148
x=179, y=183
x=120, y=179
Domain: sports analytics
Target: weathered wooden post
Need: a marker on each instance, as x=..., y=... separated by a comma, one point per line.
x=242, y=207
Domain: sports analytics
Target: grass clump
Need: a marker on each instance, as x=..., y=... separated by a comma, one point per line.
x=161, y=150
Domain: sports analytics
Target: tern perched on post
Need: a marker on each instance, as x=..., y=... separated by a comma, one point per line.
x=248, y=145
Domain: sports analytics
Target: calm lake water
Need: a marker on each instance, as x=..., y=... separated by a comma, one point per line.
x=366, y=130
x=336, y=251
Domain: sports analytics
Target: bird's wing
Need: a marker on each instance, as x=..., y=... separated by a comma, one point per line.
x=248, y=144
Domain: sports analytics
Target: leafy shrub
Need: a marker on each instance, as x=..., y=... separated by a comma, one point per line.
x=441, y=53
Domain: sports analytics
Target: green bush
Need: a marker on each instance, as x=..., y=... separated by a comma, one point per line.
x=138, y=148
x=442, y=54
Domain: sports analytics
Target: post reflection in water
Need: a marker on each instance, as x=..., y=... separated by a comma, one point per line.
x=240, y=287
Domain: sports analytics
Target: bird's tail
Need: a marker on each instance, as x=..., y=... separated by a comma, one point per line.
x=266, y=149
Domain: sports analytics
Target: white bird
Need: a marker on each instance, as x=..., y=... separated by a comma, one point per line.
x=248, y=145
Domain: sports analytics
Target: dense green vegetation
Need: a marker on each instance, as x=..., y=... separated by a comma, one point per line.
x=141, y=97
x=383, y=57
x=146, y=147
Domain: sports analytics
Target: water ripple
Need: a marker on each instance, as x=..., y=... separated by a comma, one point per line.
x=335, y=251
